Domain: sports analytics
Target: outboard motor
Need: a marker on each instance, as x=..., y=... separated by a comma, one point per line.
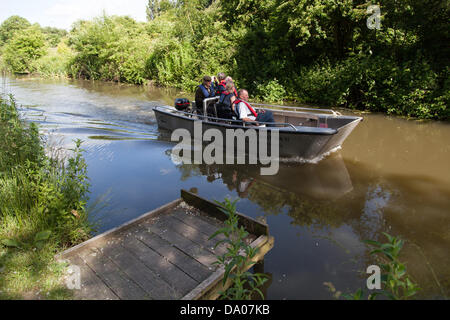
x=182, y=104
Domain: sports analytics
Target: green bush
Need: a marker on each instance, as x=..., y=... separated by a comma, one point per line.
x=109, y=48
x=55, y=63
x=10, y=26
x=376, y=84
x=271, y=91
x=172, y=64
x=37, y=191
x=23, y=49
x=42, y=209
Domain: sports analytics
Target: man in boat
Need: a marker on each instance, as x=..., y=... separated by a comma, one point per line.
x=247, y=113
x=203, y=91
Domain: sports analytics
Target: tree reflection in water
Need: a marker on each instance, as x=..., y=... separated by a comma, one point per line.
x=324, y=199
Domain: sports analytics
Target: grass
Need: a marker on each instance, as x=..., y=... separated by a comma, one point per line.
x=42, y=209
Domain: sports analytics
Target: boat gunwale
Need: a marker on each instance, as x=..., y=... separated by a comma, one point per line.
x=317, y=131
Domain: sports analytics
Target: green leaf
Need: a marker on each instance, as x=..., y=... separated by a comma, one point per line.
x=220, y=231
x=390, y=238
x=373, y=295
x=259, y=292
x=348, y=296
x=43, y=235
x=387, y=254
x=386, y=246
x=376, y=251
x=220, y=242
x=372, y=243
x=39, y=244
x=358, y=295
x=228, y=270
x=10, y=243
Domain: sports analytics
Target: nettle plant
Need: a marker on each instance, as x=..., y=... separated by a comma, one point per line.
x=396, y=284
x=238, y=258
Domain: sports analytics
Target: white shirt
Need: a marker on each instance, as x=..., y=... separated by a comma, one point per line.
x=244, y=112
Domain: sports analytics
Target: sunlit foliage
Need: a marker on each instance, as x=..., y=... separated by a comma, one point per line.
x=320, y=52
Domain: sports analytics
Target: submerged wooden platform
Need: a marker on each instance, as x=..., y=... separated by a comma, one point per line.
x=163, y=254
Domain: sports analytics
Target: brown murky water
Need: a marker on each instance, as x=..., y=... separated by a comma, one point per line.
x=391, y=175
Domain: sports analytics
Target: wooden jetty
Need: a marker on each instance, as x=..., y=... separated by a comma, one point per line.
x=163, y=254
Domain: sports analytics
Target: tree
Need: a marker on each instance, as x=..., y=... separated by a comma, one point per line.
x=11, y=26
x=54, y=35
x=156, y=7
x=26, y=46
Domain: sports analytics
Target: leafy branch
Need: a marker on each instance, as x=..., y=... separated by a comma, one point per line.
x=237, y=258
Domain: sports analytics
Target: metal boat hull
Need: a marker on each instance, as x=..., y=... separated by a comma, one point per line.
x=306, y=143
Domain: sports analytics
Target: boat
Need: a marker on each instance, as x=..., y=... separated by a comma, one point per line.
x=304, y=133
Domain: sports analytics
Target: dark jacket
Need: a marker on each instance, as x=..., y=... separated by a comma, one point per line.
x=201, y=94
x=225, y=98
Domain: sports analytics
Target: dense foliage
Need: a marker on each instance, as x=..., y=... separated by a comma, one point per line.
x=42, y=206
x=10, y=26
x=23, y=49
x=326, y=52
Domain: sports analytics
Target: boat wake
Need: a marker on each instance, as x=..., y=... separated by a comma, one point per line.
x=311, y=161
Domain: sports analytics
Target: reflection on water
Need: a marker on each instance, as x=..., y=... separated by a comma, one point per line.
x=392, y=175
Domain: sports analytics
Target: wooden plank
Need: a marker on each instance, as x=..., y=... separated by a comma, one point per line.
x=210, y=288
x=114, y=278
x=206, y=225
x=140, y=274
x=251, y=225
x=98, y=240
x=91, y=286
x=194, y=235
x=174, y=276
x=184, y=244
x=164, y=254
x=177, y=257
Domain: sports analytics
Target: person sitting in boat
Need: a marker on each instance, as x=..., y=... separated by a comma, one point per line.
x=203, y=91
x=225, y=106
x=220, y=84
x=230, y=79
x=247, y=113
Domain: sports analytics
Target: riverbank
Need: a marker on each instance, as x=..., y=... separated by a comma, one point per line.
x=391, y=175
x=399, y=68
x=43, y=197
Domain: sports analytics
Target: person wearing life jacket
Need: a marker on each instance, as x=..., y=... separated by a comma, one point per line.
x=225, y=106
x=220, y=84
x=203, y=91
x=247, y=113
x=229, y=79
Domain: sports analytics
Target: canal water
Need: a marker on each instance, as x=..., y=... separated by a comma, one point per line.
x=391, y=175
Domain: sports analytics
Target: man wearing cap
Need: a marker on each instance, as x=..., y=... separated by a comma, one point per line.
x=203, y=91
